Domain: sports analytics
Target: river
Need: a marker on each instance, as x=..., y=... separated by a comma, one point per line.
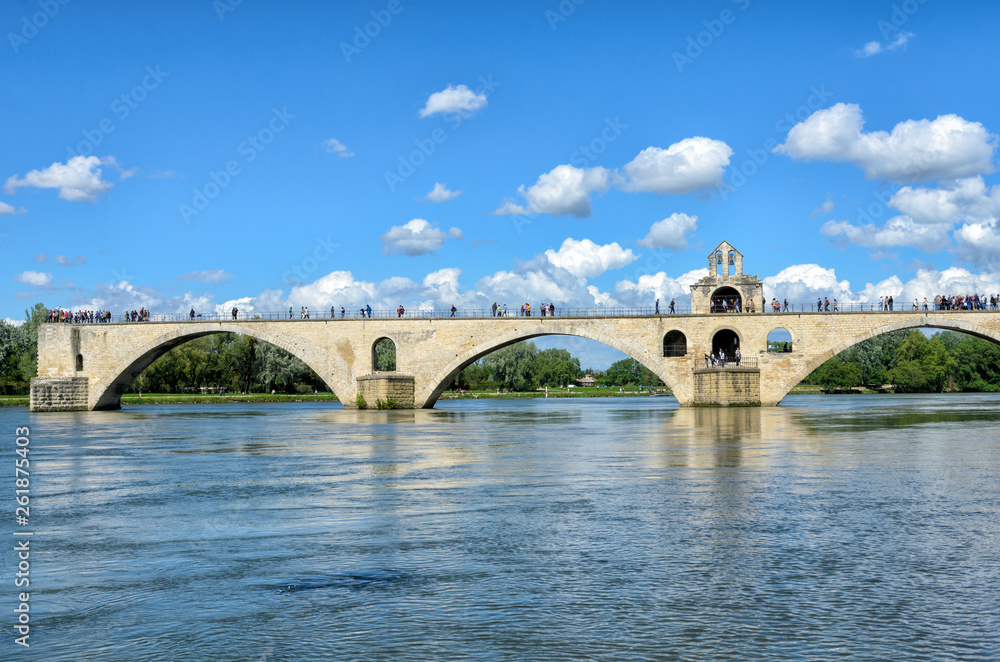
x=853, y=527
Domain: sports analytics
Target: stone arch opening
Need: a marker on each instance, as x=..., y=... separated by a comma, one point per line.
x=648, y=357
x=384, y=355
x=726, y=300
x=674, y=344
x=727, y=341
x=106, y=392
x=79, y=362
x=779, y=340
x=782, y=386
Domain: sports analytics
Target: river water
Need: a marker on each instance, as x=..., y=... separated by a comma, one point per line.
x=853, y=527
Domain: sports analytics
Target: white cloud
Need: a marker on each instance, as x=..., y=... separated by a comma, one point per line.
x=440, y=193
x=948, y=147
x=979, y=243
x=34, y=278
x=79, y=179
x=13, y=322
x=823, y=209
x=952, y=201
x=214, y=276
x=897, y=231
x=686, y=166
x=64, y=261
x=647, y=288
x=803, y=283
x=334, y=146
x=8, y=209
x=586, y=259
x=454, y=99
x=671, y=232
x=563, y=190
x=418, y=237
x=874, y=47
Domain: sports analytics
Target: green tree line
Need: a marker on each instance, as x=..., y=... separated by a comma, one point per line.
x=523, y=367
x=914, y=363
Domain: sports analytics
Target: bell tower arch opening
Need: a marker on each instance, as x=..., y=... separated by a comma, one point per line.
x=726, y=300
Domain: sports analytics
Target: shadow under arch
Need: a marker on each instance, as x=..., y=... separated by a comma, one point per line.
x=962, y=326
x=128, y=370
x=426, y=397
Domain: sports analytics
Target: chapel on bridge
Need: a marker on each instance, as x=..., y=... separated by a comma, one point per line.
x=726, y=285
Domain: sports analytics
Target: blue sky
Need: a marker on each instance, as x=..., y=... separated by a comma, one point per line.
x=210, y=154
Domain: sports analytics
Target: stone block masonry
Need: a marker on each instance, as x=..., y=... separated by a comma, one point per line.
x=59, y=394
x=727, y=387
x=386, y=387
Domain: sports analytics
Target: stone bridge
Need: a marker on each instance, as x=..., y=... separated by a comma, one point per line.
x=89, y=366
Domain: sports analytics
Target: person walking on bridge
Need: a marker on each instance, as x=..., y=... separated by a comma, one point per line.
x=671, y=310
x=657, y=307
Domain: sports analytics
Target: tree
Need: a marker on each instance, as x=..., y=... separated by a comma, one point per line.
x=556, y=367
x=977, y=365
x=629, y=371
x=385, y=355
x=510, y=368
x=922, y=365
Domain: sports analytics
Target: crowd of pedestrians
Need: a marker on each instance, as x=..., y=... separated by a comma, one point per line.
x=967, y=302
x=80, y=316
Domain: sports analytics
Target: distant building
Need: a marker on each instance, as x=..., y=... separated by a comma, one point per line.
x=586, y=380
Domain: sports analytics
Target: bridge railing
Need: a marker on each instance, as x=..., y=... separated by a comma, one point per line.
x=478, y=313
x=744, y=362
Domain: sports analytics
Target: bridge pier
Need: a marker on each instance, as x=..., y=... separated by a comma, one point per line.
x=726, y=387
x=59, y=394
x=385, y=390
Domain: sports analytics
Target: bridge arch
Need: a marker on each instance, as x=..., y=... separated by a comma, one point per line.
x=107, y=387
x=815, y=360
x=426, y=396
